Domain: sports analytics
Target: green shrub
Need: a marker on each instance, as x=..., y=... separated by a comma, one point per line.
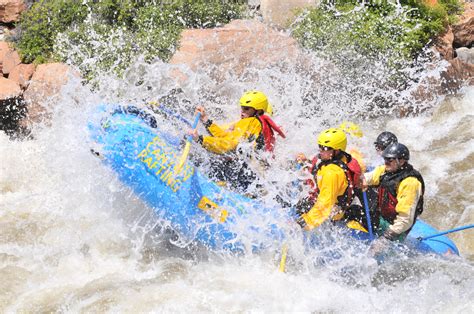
x=114, y=32
x=40, y=25
x=379, y=29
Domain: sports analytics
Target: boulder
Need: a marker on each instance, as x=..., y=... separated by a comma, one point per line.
x=10, y=60
x=457, y=74
x=464, y=30
x=4, y=49
x=444, y=44
x=10, y=10
x=430, y=3
x=465, y=54
x=12, y=109
x=22, y=74
x=43, y=90
x=234, y=47
x=282, y=13
x=9, y=89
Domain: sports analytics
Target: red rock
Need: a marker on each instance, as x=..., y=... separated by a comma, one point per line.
x=456, y=75
x=44, y=87
x=4, y=49
x=22, y=74
x=9, y=89
x=235, y=47
x=464, y=29
x=282, y=13
x=431, y=3
x=10, y=10
x=10, y=60
x=444, y=44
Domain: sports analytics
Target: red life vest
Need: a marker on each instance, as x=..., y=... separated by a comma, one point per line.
x=266, y=139
x=352, y=170
x=387, y=197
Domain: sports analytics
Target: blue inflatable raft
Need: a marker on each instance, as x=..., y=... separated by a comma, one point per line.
x=143, y=155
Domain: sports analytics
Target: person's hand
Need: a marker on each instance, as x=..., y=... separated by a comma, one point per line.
x=203, y=117
x=301, y=158
x=194, y=134
x=363, y=183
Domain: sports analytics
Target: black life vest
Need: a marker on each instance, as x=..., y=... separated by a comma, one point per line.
x=387, y=197
x=266, y=138
x=352, y=171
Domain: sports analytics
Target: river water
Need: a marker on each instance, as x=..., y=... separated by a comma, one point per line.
x=74, y=239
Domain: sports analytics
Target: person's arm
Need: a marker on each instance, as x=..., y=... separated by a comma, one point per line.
x=216, y=130
x=373, y=178
x=333, y=181
x=211, y=127
x=242, y=130
x=408, y=194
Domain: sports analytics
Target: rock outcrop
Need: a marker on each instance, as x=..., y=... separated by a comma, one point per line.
x=282, y=13
x=45, y=85
x=25, y=90
x=454, y=46
x=463, y=31
x=231, y=49
x=234, y=46
x=10, y=10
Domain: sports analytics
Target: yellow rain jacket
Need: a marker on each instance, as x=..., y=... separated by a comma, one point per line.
x=332, y=182
x=409, y=192
x=222, y=141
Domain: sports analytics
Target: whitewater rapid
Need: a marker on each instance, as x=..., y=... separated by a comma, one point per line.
x=74, y=239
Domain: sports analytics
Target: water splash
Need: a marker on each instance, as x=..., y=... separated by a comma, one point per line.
x=75, y=239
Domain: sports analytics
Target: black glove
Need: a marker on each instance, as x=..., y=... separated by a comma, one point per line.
x=208, y=123
x=304, y=205
x=300, y=221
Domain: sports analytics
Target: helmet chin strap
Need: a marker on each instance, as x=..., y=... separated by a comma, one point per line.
x=400, y=166
x=259, y=113
x=337, y=153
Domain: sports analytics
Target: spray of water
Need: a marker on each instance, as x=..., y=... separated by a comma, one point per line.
x=73, y=238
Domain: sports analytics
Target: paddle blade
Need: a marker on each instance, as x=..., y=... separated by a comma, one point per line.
x=351, y=128
x=182, y=160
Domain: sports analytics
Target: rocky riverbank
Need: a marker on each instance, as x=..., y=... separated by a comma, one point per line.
x=26, y=89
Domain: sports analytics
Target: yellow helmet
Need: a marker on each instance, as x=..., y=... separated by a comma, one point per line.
x=334, y=138
x=256, y=100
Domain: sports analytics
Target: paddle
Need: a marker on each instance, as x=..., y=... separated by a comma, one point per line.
x=170, y=112
x=351, y=128
x=446, y=232
x=187, y=147
x=367, y=214
x=284, y=253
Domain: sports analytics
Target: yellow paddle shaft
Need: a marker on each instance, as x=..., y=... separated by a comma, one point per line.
x=183, y=158
x=284, y=253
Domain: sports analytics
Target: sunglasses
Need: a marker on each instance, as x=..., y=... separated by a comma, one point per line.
x=325, y=148
x=245, y=108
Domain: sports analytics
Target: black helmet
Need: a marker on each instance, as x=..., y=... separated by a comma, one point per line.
x=396, y=150
x=384, y=139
